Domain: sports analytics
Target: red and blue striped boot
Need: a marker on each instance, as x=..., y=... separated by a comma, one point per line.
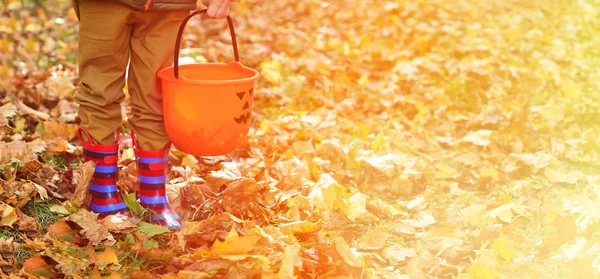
x=152, y=169
x=103, y=187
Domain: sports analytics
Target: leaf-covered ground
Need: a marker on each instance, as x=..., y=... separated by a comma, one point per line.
x=390, y=139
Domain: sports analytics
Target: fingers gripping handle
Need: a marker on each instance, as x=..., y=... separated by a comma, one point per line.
x=180, y=34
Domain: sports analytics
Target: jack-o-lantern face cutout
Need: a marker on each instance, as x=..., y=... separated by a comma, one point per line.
x=245, y=116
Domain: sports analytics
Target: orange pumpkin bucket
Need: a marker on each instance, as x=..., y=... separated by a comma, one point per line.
x=208, y=106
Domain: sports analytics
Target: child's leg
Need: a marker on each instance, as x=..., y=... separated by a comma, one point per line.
x=103, y=53
x=152, y=46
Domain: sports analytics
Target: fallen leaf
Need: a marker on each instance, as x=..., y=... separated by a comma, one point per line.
x=357, y=206
x=57, y=146
x=400, y=228
x=443, y=171
x=290, y=261
x=583, y=267
x=92, y=228
x=189, y=161
x=61, y=230
x=426, y=220
x=395, y=253
x=536, y=161
x=473, y=215
x=300, y=227
x=505, y=251
x=559, y=175
x=344, y=251
x=57, y=208
x=120, y=223
x=82, y=176
x=479, y=138
x=96, y=274
x=234, y=244
x=36, y=265
x=26, y=223
x=478, y=271
x=375, y=239
x=108, y=256
x=6, y=111
x=9, y=215
x=150, y=230
x=41, y=191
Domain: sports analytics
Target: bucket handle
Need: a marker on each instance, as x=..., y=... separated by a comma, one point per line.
x=180, y=33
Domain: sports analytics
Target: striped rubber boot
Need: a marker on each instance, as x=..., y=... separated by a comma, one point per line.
x=103, y=187
x=152, y=169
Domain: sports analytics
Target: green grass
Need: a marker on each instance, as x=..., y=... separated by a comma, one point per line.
x=8, y=233
x=21, y=255
x=41, y=211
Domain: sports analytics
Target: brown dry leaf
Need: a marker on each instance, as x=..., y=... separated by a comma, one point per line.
x=27, y=223
x=119, y=223
x=290, y=261
x=20, y=193
x=18, y=150
x=290, y=173
x=8, y=245
x=239, y=194
x=344, y=251
x=210, y=265
x=82, y=176
x=205, y=231
x=217, y=179
x=57, y=146
x=37, y=145
x=53, y=129
x=92, y=228
x=6, y=111
x=67, y=111
x=9, y=215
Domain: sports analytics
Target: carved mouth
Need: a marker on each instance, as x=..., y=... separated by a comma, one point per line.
x=242, y=118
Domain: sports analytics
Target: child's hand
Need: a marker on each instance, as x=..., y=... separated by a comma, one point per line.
x=217, y=8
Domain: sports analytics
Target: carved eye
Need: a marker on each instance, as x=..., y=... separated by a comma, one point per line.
x=241, y=94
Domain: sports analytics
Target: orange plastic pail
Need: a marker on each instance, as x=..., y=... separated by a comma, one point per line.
x=208, y=106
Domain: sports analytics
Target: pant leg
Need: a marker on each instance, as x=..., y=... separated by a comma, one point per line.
x=103, y=54
x=152, y=47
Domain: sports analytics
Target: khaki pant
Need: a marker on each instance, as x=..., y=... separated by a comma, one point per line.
x=111, y=38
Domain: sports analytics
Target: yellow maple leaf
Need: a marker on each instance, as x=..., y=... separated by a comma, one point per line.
x=108, y=256
x=472, y=215
x=9, y=215
x=478, y=271
x=234, y=244
x=503, y=249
